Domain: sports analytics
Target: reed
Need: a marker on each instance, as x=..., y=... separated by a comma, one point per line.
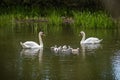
x=54, y=18
x=83, y=19
x=93, y=20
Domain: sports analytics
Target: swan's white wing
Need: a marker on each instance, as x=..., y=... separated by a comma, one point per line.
x=92, y=40
x=30, y=44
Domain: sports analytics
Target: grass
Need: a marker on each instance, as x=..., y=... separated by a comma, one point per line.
x=84, y=19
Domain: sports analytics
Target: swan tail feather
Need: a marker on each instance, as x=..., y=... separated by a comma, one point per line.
x=101, y=40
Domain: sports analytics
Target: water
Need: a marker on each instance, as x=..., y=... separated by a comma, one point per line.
x=94, y=62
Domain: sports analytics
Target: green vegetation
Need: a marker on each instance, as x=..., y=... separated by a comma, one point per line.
x=83, y=19
x=77, y=13
x=93, y=20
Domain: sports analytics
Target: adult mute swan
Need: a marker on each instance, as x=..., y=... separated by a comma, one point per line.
x=91, y=40
x=32, y=44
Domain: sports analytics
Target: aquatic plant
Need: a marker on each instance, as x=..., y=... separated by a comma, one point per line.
x=83, y=19
x=93, y=20
x=54, y=18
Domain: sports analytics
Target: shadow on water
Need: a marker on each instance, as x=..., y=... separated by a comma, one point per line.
x=94, y=62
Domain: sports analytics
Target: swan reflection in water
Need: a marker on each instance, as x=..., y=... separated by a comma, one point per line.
x=89, y=48
x=116, y=64
x=32, y=53
x=30, y=63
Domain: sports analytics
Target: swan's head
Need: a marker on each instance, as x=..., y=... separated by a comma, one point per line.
x=82, y=33
x=41, y=33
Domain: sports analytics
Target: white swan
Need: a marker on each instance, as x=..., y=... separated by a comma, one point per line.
x=32, y=44
x=74, y=51
x=91, y=40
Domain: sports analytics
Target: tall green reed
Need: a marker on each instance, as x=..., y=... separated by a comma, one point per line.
x=87, y=19
x=83, y=19
x=54, y=18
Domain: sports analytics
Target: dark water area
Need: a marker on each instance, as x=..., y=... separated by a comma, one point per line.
x=94, y=62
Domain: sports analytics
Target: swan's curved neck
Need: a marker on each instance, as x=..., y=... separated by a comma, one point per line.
x=83, y=38
x=40, y=41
